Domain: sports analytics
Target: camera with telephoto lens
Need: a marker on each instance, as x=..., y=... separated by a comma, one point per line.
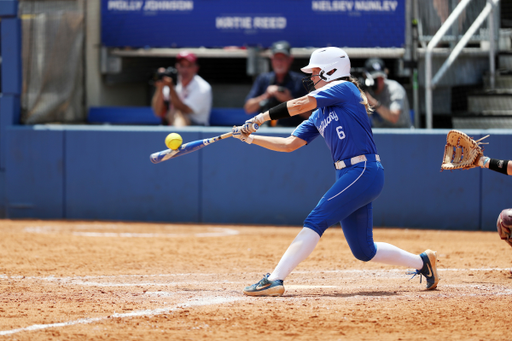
x=365, y=80
x=170, y=72
x=266, y=104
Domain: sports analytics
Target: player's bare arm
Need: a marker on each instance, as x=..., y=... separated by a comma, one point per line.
x=304, y=104
x=301, y=105
x=278, y=144
x=294, y=107
x=497, y=165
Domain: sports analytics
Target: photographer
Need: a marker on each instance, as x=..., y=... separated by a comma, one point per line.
x=277, y=86
x=182, y=97
x=387, y=97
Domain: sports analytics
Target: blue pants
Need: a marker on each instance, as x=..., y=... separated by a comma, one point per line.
x=349, y=201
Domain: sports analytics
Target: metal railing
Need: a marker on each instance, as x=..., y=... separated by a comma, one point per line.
x=430, y=82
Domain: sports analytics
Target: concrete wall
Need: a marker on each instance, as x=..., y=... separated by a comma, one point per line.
x=104, y=172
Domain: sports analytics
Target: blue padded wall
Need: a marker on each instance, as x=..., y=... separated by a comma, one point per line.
x=122, y=115
x=10, y=83
x=248, y=184
x=3, y=199
x=104, y=173
x=34, y=173
x=9, y=111
x=416, y=193
x=109, y=176
x=8, y=8
x=11, y=55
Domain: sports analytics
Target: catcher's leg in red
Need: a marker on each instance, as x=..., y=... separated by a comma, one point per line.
x=504, y=225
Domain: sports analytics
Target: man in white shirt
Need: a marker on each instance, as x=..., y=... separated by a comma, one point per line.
x=187, y=103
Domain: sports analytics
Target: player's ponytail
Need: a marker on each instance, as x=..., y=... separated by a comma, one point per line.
x=364, y=102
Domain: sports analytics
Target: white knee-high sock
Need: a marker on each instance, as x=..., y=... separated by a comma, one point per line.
x=300, y=249
x=392, y=255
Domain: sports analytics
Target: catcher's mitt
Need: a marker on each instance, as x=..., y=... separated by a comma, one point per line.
x=504, y=225
x=461, y=151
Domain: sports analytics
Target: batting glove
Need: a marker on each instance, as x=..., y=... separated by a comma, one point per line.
x=249, y=126
x=238, y=133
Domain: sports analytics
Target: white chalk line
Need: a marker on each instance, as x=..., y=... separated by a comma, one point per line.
x=83, y=280
x=52, y=278
x=203, y=302
x=153, y=284
x=369, y=271
x=152, y=312
x=216, y=232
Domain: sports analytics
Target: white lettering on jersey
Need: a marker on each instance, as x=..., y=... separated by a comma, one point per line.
x=341, y=133
x=326, y=121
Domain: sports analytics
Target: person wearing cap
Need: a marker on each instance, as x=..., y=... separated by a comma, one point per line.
x=340, y=117
x=387, y=97
x=187, y=103
x=277, y=86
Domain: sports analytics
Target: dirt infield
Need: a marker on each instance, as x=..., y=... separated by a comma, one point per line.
x=62, y=280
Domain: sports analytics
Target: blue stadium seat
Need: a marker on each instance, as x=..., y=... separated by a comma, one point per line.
x=122, y=115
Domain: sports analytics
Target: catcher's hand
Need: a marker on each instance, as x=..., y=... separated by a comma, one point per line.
x=504, y=225
x=461, y=151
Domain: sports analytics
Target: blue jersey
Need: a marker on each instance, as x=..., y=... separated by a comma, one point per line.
x=342, y=121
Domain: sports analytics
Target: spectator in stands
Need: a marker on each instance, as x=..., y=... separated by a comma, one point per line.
x=387, y=97
x=188, y=102
x=279, y=85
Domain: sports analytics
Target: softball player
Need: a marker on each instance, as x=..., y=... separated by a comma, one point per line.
x=504, y=223
x=341, y=117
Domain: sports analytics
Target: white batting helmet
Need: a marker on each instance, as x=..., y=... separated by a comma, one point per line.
x=333, y=62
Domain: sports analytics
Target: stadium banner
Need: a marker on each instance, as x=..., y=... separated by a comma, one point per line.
x=221, y=23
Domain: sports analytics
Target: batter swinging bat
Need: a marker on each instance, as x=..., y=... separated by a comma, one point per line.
x=190, y=147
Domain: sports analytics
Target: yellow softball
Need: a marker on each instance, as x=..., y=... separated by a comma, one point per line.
x=173, y=141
